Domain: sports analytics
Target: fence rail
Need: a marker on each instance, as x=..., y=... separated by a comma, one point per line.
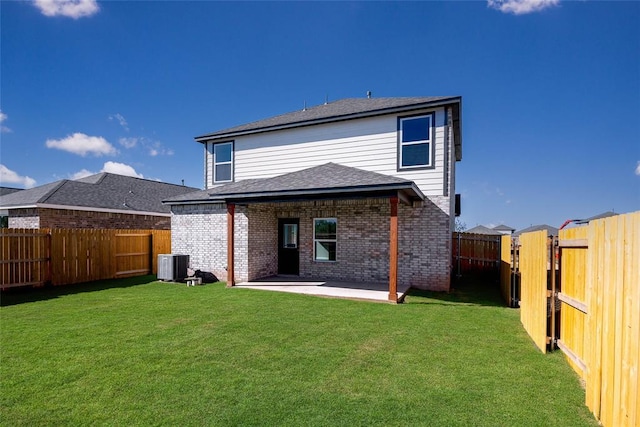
x=580, y=292
x=66, y=256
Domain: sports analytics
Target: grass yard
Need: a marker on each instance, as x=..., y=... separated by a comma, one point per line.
x=139, y=352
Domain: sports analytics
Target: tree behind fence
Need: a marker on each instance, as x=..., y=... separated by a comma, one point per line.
x=65, y=256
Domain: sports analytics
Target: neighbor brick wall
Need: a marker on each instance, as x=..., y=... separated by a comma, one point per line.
x=66, y=218
x=24, y=218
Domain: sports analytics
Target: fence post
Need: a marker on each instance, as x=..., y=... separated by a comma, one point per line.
x=459, y=273
x=553, y=241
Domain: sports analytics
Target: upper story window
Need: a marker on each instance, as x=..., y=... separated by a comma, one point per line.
x=223, y=162
x=415, y=142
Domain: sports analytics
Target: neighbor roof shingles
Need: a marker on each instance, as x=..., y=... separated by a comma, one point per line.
x=102, y=191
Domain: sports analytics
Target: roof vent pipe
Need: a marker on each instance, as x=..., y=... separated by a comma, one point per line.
x=368, y=94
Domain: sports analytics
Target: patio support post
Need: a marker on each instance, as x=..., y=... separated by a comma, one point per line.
x=231, y=208
x=393, y=250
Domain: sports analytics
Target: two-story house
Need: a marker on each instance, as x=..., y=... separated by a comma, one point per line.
x=357, y=190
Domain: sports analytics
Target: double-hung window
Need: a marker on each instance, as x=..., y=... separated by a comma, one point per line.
x=325, y=239
x=415, y=142
x=223, y=162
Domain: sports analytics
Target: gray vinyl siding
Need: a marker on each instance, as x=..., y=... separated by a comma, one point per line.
x=369, y=144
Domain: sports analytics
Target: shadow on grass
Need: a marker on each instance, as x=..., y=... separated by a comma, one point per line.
x=466, y=290
x=15, y=296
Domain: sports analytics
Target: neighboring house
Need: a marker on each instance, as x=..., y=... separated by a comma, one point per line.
x=551, y=231
x=8, y=190
x=491, y=231
x=504, y=229
x=357, y=189
x=481, y=229
x=593, y=218
x=4, y=215
x=103, y=200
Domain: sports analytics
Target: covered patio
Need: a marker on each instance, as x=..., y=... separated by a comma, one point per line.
x=366, y=291
x=328, y=230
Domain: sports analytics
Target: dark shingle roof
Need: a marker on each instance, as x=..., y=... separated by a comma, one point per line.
x=593, y=218
x=343, y=109
x=328, y=179
x=8, y=190
x=503, y=227
x=553, y=231
x=481, y=229
x=100, y=191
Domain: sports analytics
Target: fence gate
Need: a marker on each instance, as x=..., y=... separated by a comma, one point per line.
x=571, y=295
x=24, y=257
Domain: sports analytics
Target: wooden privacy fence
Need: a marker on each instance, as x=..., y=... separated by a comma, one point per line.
x=66, y=256
x=580, y=292
x=475, y=254
x=510, y=271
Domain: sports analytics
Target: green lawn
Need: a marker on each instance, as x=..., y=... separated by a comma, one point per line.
x=139, y=352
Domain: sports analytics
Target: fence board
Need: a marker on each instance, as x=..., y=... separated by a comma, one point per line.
x=533, y=286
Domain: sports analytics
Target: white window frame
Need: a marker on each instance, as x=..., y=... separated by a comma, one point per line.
x=428, y=142
x=215, y=163
x=324, y=240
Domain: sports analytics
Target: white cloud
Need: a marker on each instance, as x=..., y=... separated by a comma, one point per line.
x=3, y=128
x=120, y=120
x=81, y=174
x=120, y=169
x=638, y=169
x=70, y=8
x=128, y=142
x=156, y=149
x=110, y=167
x=521, y=7
x=7, y=176
x=82, y=144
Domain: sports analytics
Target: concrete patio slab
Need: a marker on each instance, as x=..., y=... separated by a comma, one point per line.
x=333, y=289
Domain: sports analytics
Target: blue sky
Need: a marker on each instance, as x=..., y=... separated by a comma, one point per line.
x=551, y=89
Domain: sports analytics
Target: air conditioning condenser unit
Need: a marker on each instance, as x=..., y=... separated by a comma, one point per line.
x=172, y=267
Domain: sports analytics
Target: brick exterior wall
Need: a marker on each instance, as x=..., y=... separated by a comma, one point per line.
x=424, y=245
x=200, y=231
x=363, y=240
x=65, y=218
